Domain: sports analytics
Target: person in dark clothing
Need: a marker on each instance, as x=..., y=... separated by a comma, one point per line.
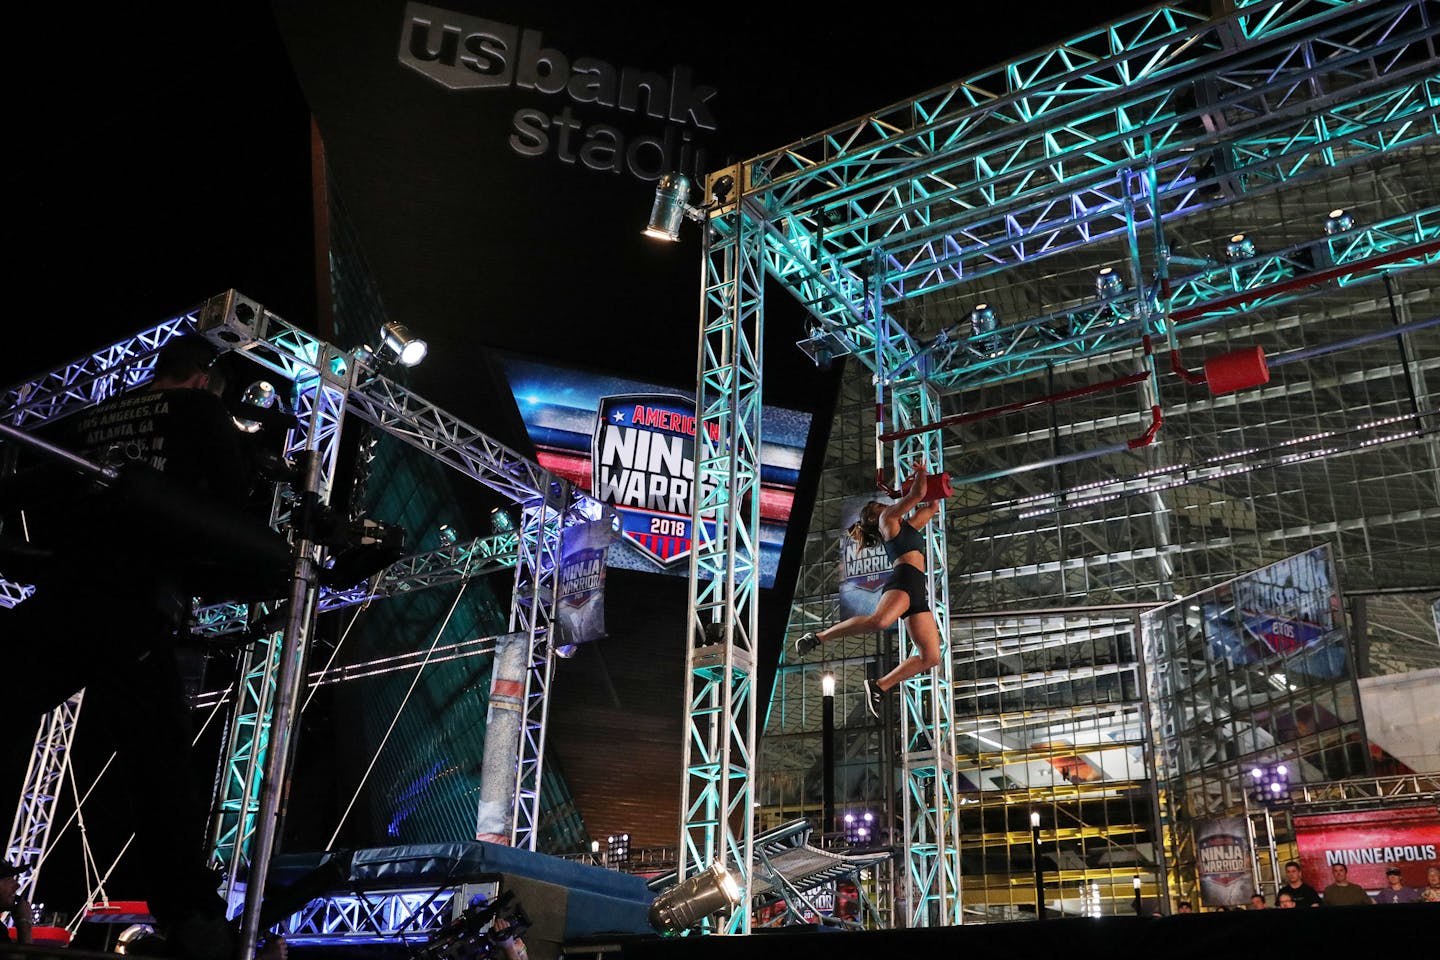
x=14, y=904
x=116, y=571
x=906, y=592
x=1300, y=892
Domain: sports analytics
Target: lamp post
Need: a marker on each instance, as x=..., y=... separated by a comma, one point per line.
x=1135, y=882
x=827, y=754
x=1039, y=872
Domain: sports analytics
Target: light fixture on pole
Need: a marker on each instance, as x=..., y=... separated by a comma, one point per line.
x=693, y=899
x=259, y=396
x=1135, y=882
x=407, y=348
x=1039, y=872
x=827, y=754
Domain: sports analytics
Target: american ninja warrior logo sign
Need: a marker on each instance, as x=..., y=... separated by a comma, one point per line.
x=643, y=462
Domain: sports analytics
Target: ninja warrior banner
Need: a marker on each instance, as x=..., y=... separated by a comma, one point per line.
x=643, y=462
x=581, y=611
x=632, y=444
x=863, y=571
x=1222, y=852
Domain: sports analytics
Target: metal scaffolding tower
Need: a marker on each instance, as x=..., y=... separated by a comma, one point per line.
x=1110, y=141
x=330, y=383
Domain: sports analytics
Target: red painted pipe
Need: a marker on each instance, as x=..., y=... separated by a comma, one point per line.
x=1144, y=440
x=1305, y=280
x=959, y=418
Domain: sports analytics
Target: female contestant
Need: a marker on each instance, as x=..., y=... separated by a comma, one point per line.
x=905, y=594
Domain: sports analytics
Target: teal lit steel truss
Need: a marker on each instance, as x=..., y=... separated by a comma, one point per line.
x=330, y=384
x=1109, y=136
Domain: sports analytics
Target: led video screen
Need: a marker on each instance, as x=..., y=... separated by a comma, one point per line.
x=631, y=444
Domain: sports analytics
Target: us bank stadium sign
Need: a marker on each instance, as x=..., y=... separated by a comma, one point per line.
x=462, y=52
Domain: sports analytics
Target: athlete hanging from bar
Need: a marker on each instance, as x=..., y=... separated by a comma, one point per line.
x=906, y=591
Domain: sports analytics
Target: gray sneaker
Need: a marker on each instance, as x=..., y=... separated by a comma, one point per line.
x=806, y=643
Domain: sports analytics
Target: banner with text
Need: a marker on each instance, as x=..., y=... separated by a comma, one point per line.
x=863, y=571
x=1222, y=847
x=581, y=613
x=1367, y=842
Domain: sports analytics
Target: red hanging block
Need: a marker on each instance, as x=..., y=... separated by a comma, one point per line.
x=937, y=486
x=1237, y=370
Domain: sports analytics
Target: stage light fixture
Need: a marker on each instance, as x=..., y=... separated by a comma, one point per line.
x=407, y=348
x=859, y=829
x=1338, y=221
x=1239, y=247
x=261, y=396
x=983, y=321
x=448, y=536
x=982, y=318
x=672, y=195
x=693, y=899
x=501, y=521
x=1270, y=784
x=1108, y=283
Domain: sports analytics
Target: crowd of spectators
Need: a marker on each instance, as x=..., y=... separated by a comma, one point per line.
x=1341, y=892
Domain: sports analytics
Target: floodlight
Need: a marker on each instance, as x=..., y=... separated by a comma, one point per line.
x=261, y=396
x=1338, y=221
x=501, y=521
x=982, y=318
x=983, y=321
x=407, y=348
x=448, y=536
x=1271, y=785
x=1108, y=283
x=1239, y=247
x=671, y=206
x=693, y=899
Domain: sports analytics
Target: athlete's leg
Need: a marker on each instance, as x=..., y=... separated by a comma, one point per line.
x=892, y=604
x=926, y=635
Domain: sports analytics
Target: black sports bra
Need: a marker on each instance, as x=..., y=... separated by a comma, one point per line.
x=907, y=538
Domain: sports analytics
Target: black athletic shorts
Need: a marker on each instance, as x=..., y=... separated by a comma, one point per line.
x=912, y=581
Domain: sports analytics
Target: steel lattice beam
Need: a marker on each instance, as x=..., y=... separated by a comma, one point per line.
x=331, y=383
x=722, y=619
x=1044, y=155
x=930, y=813
x=29, y=839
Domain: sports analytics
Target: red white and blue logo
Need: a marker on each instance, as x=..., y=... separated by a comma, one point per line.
x=643, y=462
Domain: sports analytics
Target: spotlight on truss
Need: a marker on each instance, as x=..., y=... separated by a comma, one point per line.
x=404, y=346
x=1338, y=221
x=1108, y=283
x=1239, y=247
